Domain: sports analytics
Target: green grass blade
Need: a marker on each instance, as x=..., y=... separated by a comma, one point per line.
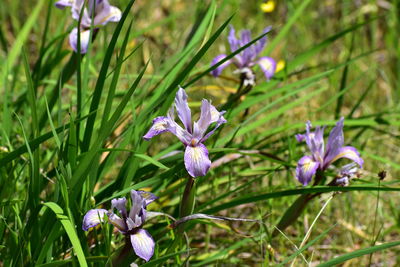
x=70, y=230
x=358, y=253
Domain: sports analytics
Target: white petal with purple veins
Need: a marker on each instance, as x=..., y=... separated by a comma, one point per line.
x=306, y=168
x=268, y=66
x=143, y=244
x=196, y=160
x=348, y=152
x=92, y=218
x=160, y=125
x=106, y=13
x=73, y=40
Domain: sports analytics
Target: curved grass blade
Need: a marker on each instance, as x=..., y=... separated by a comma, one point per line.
x=69, y=228
x=292, y=192
x=358, y=253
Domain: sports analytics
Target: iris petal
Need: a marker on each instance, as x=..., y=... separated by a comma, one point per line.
x=348, y=152
x=106, y=13
x=63, y=3
x=143, y=244
x=306, y=168
x=268, y=66
x=335, y=141
x=216, y=72
x=73, y=40
x=160, y=125
x=183, y=110
x=196, y=160
x=92, y=218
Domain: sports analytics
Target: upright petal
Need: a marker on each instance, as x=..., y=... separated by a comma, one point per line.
x=77, y=8
x=183, y=109
x=196, y=160
x=306, y=168
x=120, y=205
x=259, y=46
x=148, y=197
x=248, y=54
x=92, y=218
x=216, y=72
x=143, y=244
x=61, y=4
x=233, y=41
x=201, y=126
x=137, y=204
x=160, y=125
x=268, y=66
x=106, y=13
x=348, y=152
x=335, y=141
x=221, y=120
x=73, y=40
x=315, y=142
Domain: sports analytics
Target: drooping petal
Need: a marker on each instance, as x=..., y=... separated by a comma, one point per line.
x=160, y=125
x=268, y=66
x=148, y=197
x=61, y=4
x=92, y=218
x=348, y=152
x=143, y=244
x=306, y=168
x=73, y=40
x=183, y=110
x=106, y=13
x=335, y=141
x=216, y=72
x=120, y=205
x=196, y=160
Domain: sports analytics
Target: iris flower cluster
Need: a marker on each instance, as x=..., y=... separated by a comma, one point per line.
x=129, y=224
x=246, y=59
x=100, y=10
x=322, y=158
x=191, y=135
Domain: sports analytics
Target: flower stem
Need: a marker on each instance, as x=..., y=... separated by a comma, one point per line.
x=296, y=209
x=186, y=208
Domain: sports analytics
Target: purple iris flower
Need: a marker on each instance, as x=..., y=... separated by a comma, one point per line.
x=193, y=136
x=320, y=157
x=246, y=59
x=129, y=224
x=102, y=13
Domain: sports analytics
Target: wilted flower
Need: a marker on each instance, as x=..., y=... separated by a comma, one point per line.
x=196, y=158
x=321, y=158
x=102, y=13
x=246, y=59
x=129, y=224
